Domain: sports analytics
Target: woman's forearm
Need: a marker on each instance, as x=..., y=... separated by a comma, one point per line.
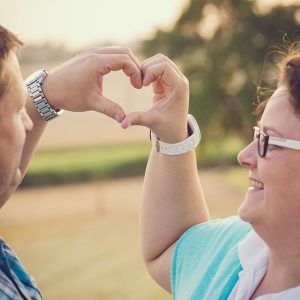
x=172, y=201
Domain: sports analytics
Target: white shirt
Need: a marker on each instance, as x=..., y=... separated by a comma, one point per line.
x=253, y=253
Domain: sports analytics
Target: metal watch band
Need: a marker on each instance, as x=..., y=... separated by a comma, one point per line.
x=182, y=147
x=34, y=88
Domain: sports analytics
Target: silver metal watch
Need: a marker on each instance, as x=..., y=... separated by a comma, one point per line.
x=182, y=147
x=34, y=87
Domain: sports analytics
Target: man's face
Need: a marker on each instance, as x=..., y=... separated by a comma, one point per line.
x=14, y=122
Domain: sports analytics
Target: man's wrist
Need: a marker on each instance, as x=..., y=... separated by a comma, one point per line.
x=34, y=85
x=49, y=90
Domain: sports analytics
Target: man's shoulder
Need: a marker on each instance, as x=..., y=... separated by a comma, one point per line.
x=8, y=290
x=15, y=282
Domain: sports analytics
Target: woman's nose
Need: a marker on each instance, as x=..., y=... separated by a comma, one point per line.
x=247, y=157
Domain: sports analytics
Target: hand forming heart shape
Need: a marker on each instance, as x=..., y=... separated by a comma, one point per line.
x=78, y=86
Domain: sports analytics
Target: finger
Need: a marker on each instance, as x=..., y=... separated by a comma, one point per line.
x=140, y=118
x=151, y=58
x=115, y=62
x=113, y=50
x=163, y=71
x=158, y=87
x=157, y=59
x=108, y=107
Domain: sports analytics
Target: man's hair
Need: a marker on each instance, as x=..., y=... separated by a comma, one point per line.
x=8, y=42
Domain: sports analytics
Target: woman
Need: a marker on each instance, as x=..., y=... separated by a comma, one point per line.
x=255, y=255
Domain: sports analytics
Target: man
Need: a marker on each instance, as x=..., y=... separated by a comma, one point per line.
x=24, y=112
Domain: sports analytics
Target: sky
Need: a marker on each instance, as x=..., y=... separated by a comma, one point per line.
x=79, y=23
x=83, y=23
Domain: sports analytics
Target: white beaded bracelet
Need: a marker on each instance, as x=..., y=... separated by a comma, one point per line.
x=182, y=147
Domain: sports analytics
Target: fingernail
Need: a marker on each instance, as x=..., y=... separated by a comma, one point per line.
x=124, y=125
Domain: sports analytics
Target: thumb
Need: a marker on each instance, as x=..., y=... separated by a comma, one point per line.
x=108, y=108
x=140, y=118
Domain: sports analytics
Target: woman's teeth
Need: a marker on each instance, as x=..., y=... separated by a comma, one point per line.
x=258, y=185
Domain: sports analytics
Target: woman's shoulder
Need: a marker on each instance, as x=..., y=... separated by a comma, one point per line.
x=205, y=251
x=210, y=240
x=232, y=227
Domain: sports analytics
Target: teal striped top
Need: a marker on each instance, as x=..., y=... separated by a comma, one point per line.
x=205, y=262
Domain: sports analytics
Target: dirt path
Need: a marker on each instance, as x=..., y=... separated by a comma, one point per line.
x=107, y=198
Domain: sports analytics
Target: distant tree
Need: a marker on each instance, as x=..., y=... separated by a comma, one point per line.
x=44, y=52
x=221, y=46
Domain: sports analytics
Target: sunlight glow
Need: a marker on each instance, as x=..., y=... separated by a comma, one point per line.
x=85, y=22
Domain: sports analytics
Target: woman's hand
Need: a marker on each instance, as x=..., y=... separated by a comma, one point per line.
x=167, y=117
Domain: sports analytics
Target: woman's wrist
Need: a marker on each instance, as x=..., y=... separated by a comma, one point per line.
x=187, y=143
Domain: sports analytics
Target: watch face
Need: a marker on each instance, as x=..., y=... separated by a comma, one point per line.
x=31, y=78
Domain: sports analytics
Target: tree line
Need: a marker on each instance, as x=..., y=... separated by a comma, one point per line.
x=223, y=47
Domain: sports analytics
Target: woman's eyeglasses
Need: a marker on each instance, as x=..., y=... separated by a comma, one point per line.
x=263, y=140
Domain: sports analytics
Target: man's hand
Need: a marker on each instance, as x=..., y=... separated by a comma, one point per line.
x=77, y=84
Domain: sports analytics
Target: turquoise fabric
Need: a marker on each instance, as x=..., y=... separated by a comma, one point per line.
x=205, y=262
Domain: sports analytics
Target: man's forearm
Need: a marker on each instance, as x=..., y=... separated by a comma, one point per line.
x=32, y=137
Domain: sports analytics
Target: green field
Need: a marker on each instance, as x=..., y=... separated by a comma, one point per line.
x=114, y=161
x=80, y=240
x=85, y=164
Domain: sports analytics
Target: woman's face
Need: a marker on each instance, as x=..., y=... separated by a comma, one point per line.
x=272, y=202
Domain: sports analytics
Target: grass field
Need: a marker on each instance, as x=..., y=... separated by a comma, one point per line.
x=98, y=157
x=82, y=241
x=84, y=164
x=85, y=258
x=73, y=165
